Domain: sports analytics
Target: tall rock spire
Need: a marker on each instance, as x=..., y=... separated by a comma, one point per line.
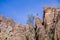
x=40, y=30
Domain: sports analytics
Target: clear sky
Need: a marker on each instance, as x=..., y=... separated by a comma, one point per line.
x=18, y=10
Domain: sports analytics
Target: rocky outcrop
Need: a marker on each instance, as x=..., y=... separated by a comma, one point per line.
x=9, y=30
x=46, y=29
x=40, y=30
x=51, y=22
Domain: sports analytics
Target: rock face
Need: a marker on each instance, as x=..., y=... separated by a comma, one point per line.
x=9, y=30
x=51, y=22
x=40, y=30
x=46, y=29
x=57, y=25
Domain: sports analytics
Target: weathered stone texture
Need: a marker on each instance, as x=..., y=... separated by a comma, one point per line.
x=52, y=22
x=48, y=17
x=40, y=30
x=46, y=29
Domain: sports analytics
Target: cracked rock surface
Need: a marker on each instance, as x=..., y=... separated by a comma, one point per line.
x=47, y=28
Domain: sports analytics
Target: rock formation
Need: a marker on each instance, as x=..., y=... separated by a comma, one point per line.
x=46, y=29
x=40, y=30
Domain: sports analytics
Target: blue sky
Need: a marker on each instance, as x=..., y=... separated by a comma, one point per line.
x=18, y=10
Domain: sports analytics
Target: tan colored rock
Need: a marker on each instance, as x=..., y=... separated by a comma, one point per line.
x=57, y=29
x=48, y=17
x=32, y=32
x=10, y=22
x=46, y=29
x=2, y=19
x=26, y=27
x=40, y=30
x=18, y=32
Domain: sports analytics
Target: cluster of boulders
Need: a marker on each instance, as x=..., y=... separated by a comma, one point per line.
x=9, y=30
x=46, y=29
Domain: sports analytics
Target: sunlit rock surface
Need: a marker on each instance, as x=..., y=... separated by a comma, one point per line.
x=47, y=28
